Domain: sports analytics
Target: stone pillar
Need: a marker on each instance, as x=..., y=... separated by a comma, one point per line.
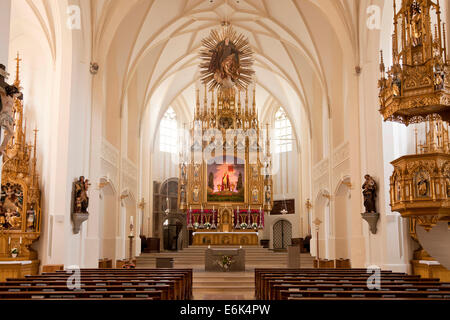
x=5, y=20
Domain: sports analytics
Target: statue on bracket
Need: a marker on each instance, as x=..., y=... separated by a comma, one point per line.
x=80, y=203
x=81, y=196
x=369, y=192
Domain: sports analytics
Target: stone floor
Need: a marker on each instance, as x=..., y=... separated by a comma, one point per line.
x=223, y=285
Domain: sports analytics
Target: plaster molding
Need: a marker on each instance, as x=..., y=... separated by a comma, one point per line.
x=129, y=169
x=109, y=153
x=341, y=153
x=321, y=169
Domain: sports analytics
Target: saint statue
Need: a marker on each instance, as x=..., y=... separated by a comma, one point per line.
x=81, y=196
x=369, y=192
x=422, y=184
x=416, y=24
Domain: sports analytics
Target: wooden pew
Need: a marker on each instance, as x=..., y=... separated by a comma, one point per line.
x=166, y=289
x=324, y=294
x=70, y=294
x=269, y=283
x=163, y=279
x=261, y=277
x=343, y=283
x=188, y=272
x=156, y=284
x=283, y=291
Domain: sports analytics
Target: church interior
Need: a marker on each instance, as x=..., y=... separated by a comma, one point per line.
x=225, y=149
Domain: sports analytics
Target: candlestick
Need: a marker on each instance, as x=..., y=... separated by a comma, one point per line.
x=9, y=240
x=20, y=240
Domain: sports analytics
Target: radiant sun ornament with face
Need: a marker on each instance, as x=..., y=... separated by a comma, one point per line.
x=227, y=60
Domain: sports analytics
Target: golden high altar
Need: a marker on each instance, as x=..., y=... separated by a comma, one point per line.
x=225, y=164
x=20, y=210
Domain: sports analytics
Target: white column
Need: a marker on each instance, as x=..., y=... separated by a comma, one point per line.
x=5, y=20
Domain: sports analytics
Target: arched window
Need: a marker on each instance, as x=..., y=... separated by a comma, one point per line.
x=168, y=136
x=283, y=132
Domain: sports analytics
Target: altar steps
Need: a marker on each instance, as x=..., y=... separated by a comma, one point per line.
x=194, y=257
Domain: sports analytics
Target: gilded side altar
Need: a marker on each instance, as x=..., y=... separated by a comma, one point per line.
x=20, y=210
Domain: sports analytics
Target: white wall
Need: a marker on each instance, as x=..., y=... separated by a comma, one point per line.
x=5, y=14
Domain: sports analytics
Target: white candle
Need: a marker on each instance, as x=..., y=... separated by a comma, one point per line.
x=238, y=208
x=213, y=208
x=20, y=240
x=131, y=220
x=9, y=240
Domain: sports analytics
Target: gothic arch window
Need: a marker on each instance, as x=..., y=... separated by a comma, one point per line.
x=168, y=129
x=283, y=132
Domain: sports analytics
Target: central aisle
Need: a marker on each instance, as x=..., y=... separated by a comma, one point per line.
x=223, y=285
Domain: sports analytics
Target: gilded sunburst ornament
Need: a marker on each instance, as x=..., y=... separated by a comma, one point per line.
x=227, y=60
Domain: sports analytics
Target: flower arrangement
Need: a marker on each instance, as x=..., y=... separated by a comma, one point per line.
x=14, y=252
x=225, y=262
x=196, y=225
x=207, y=225
x=243, y=225
x=254, y=225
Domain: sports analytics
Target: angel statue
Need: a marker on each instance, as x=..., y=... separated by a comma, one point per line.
x=81, y=196
x=225, y=63
x=369, y=192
